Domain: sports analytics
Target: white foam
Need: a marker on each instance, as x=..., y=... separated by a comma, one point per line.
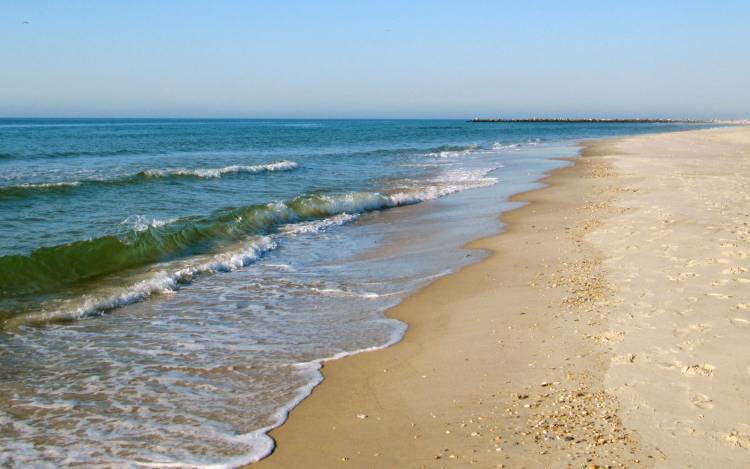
x=259, y=439
x=259, y=443
x=49, y=185
x=319, y=226
x=504, y=146
x=340, y=292
x=514, y=146
x=219, y=172
x=282, y=267
x=142, y=223
x=453, y=153
x=450, y=182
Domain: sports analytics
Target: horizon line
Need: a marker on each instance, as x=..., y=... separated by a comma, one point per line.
x=468, y=119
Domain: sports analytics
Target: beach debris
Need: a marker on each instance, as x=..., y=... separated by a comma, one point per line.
x=362, y=416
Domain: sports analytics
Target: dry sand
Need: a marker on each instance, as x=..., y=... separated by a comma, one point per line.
x=608, y=326
x=678, y=257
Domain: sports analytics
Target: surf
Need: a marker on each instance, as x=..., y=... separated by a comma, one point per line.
x=23, y=191
x=51, y=270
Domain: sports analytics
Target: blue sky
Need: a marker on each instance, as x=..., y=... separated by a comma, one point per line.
x=374, y=58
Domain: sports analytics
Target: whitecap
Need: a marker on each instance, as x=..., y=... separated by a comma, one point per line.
x=219, y=172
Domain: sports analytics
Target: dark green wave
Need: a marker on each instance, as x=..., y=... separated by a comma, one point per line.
x=49, y=269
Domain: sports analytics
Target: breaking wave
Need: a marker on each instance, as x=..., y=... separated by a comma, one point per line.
x=51, y=269
x=23, y=191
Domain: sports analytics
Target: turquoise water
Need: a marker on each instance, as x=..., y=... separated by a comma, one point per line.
x=168, y=288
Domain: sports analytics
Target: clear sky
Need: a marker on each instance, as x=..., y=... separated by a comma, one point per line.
x=361, y=58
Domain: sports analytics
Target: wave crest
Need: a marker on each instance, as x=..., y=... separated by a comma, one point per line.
x=219, y=172
x=80, y=264
x=23, y=191
x=452, y=151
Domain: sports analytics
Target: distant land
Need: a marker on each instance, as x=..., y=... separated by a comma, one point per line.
x=590, y=120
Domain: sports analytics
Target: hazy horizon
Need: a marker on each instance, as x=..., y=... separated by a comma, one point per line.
x=374, y=60
x=481, y=118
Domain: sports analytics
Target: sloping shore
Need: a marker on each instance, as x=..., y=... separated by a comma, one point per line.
x=516, y=361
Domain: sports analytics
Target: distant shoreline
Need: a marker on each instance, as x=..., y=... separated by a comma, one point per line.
x=595, y=120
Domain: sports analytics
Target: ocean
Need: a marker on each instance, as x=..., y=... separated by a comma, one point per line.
x=170, y=287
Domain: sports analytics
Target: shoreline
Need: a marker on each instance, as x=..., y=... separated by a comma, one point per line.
x=357, y=418
x=513, y=360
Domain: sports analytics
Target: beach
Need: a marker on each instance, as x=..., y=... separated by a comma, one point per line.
x=189, y=302
x=210, y=266
x=375, y=235
x=607, y=327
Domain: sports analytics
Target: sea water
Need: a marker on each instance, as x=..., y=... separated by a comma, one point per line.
x=169, y=288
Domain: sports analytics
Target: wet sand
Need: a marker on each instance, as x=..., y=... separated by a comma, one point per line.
x=569, y=345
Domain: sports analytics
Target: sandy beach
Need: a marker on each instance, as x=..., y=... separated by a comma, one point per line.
x=608, y=326
x=375, y=235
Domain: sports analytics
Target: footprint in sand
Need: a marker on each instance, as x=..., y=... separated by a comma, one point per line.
x=701, y=369
x=690, y=344
x=690, y=329
x=682, y=276
x=734, y=271
x=623, y=359
x=610, y=336
x=738, y=439
x=702, y=401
